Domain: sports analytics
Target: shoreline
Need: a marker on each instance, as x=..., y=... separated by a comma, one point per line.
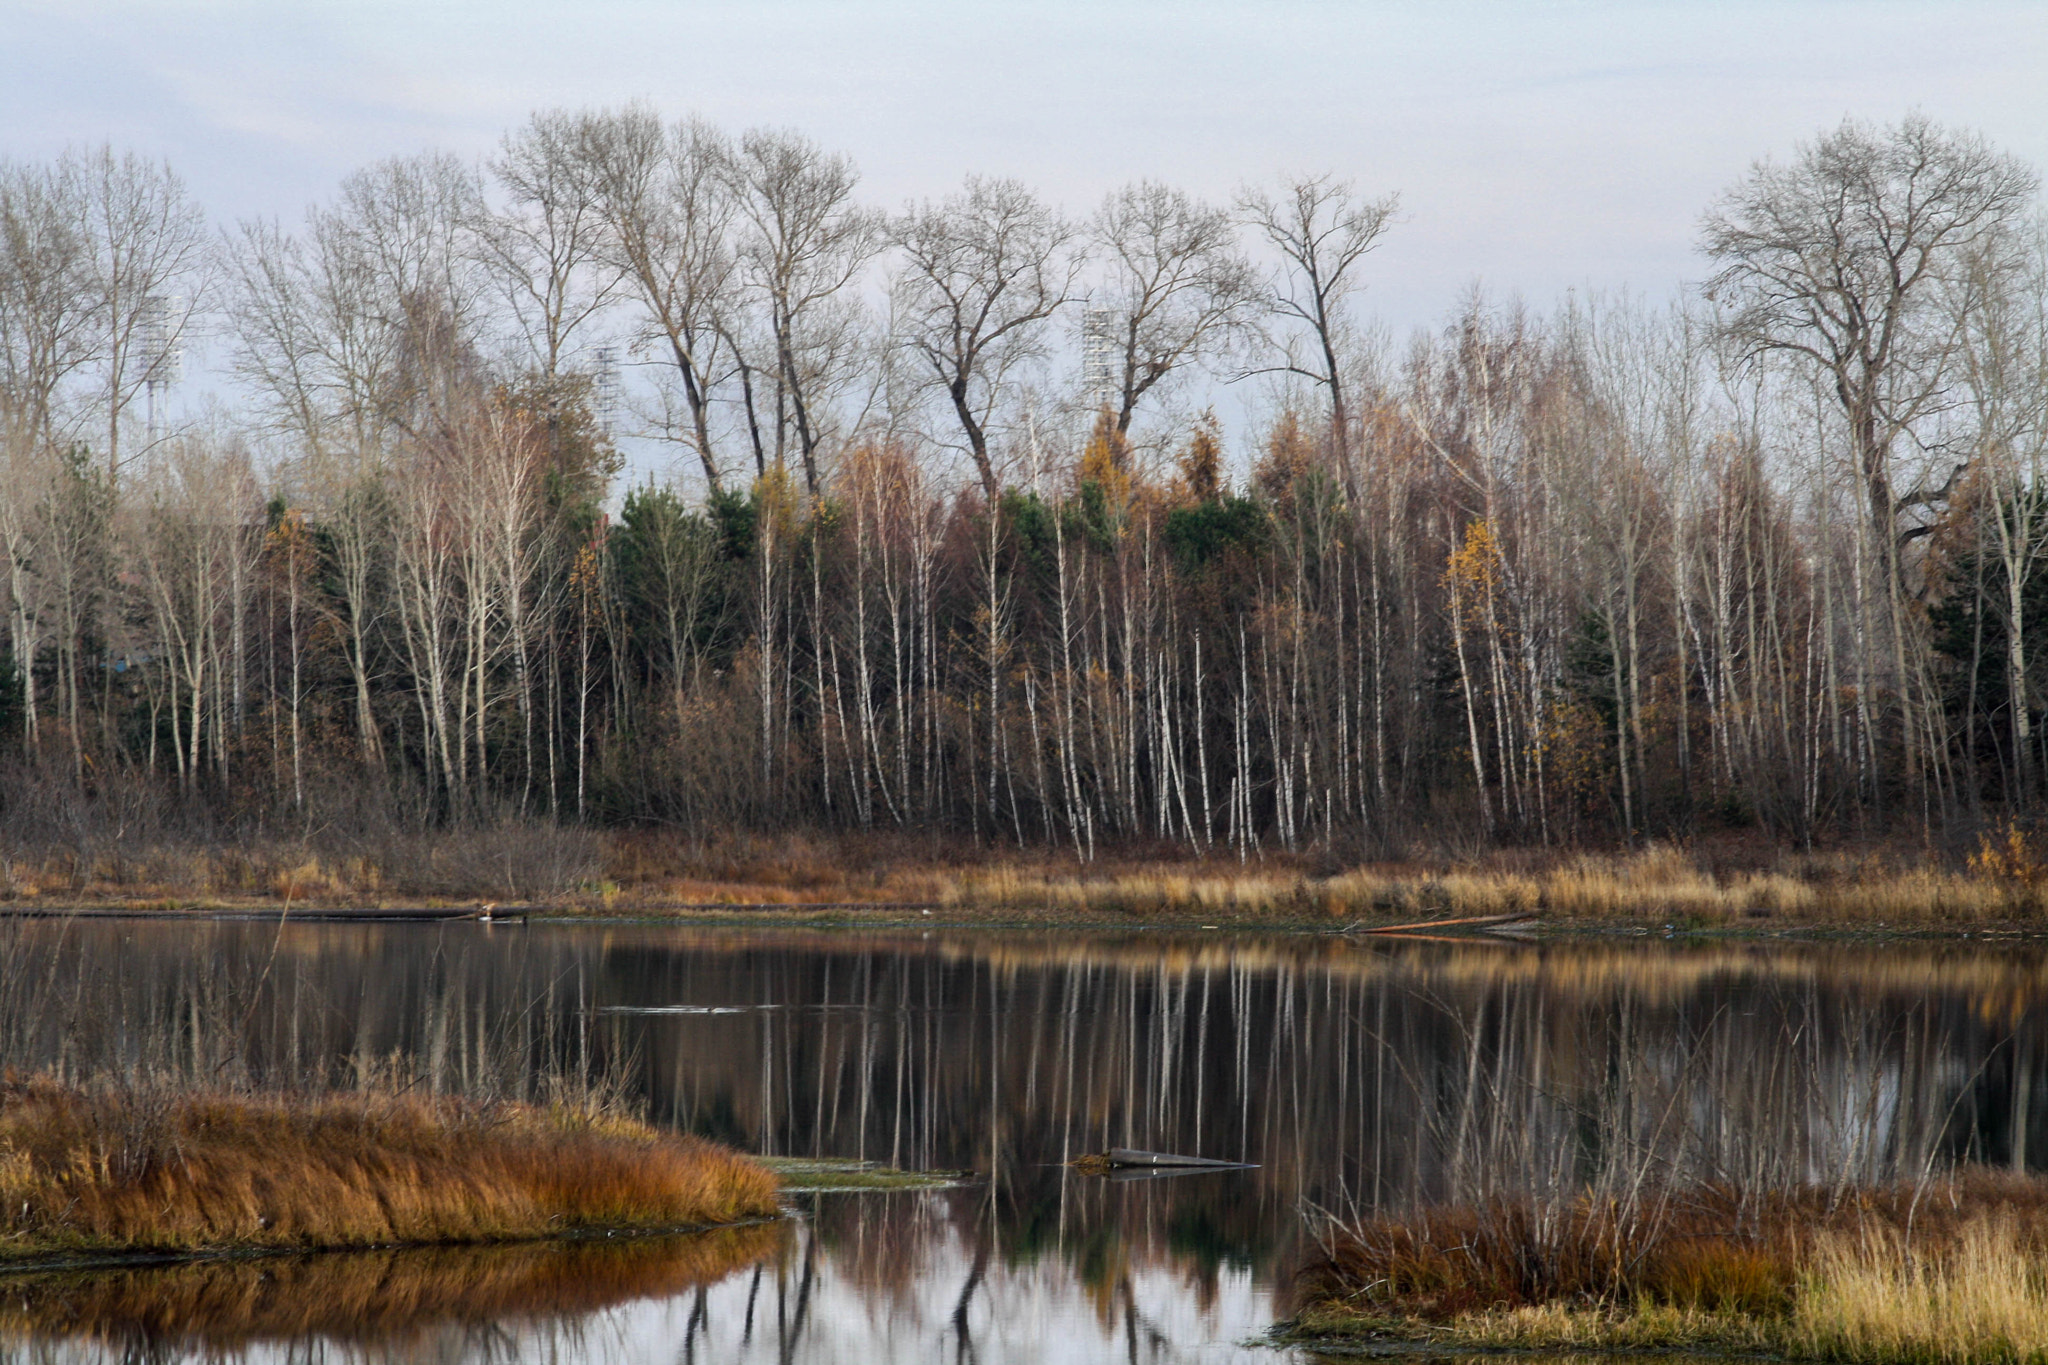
x=855, y=917
x=1717, y=888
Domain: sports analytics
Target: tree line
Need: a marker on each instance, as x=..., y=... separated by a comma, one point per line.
x=954, y=545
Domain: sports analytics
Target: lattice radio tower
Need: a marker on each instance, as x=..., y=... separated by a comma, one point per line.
x=163, y=357
x=1098, y=356
x=604, y=387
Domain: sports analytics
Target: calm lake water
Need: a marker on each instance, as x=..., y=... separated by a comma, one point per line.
x=1359, y=1075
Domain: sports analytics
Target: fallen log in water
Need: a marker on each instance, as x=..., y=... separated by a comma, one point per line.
x=1128, y=1156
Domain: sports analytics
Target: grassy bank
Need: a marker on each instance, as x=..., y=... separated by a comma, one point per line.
x=1728, y=882
x=1951, y=1274
x=128, y=1170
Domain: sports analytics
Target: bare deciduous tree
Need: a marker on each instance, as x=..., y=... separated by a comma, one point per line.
x=1322, y=229
x=26, y=473
x=146, y=273
x=1177, y=288
x=46, y=311
x=1840, y=258
x=544, y=247
x=332, y=328
x=805, y=245
x=1840, y=261
x=982, y=273
x=666, y=203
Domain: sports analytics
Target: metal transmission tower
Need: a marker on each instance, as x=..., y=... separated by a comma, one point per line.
x=1098, y=356
x=163, y=356
x=604, y=386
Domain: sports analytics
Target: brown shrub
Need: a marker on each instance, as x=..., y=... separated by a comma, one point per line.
x=1711, y=1248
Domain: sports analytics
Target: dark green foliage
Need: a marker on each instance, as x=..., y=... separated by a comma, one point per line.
x=1200, y=535
x=13, y=698
x=1035, y=527
x=1096, y=519
x=1589, y=666
x=671, y=578
x=737, y=517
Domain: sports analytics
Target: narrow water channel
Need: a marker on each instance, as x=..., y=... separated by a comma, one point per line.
x=1372, y=1075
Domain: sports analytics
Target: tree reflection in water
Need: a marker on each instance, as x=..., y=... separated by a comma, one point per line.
x=1374, y=1076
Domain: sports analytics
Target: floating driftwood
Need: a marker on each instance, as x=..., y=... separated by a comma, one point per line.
x=1127, y=1163
x=1126, y=1157
x=1123, y=1175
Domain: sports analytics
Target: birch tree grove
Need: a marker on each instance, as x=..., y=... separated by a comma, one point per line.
x=1770, y=555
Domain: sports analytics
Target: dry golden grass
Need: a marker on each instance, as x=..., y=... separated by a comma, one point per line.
x=1643, y=1326
x=1952, y=1274
x=1876, y=1296
x=512, y=860
x=1662, y=884
x=127, y=1170
x=363, y=1295
x=1717, y=883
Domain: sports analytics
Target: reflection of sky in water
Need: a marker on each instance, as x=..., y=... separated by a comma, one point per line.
x=1037, y=1312
x=1376, y=1074
x=863, y=1303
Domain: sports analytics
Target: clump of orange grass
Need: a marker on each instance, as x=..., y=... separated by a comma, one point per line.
x=164, y=1170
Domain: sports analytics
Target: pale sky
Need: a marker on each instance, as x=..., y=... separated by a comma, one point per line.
x=1537, y=147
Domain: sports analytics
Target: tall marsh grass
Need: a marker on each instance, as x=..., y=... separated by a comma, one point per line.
x=137, y=1169
x=1875, y=1296
x=1949, y=1273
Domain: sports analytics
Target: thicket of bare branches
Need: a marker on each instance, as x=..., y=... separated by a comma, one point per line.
x=1769, y=554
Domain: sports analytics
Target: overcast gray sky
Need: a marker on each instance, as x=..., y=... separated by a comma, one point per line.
x=1536, y=146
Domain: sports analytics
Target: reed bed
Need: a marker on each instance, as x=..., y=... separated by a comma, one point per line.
x=1660, y=886
x=164, y=1170
x=1949, y=1273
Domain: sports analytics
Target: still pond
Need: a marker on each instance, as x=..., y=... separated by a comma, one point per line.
x=1358, y=1074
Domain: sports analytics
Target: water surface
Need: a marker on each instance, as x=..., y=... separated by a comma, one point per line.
x=1359, y=1075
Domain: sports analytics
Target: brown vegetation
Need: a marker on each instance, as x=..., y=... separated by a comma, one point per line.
x=374, y=1294
x=1955, y=1270
x=1729, y=883
x=141, y=1170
